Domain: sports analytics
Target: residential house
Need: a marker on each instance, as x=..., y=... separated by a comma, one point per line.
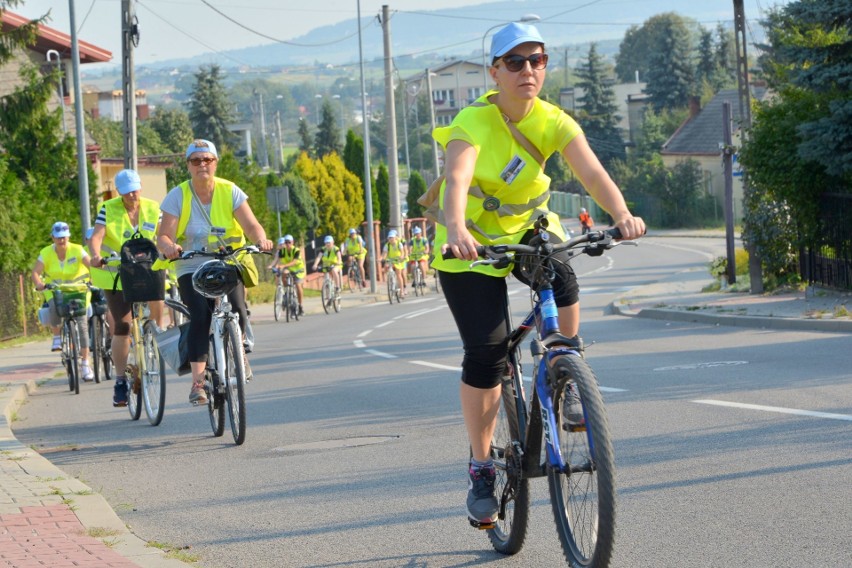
x=455, y=85
x=700, y=138
x=625, y=94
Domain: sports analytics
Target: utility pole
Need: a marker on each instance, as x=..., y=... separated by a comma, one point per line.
x=264, y=153
x=395, y=221
x=432, y=122
x=754, y=268
x=368, y=174
x=727, y=159
x=279, y=153
x=129, y=40
x=82, y=171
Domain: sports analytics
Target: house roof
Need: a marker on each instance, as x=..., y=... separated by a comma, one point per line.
x=50, y=38
x=702, y=133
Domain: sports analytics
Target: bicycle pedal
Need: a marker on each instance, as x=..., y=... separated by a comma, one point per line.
x=483, y=526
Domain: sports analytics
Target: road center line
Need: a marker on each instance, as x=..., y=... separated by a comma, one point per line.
x=359, y=344
x=380, y=354
x=384, y=324
x=436, y=366
x=365, y=333
x=779, y=409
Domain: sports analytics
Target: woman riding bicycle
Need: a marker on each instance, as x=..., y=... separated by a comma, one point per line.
x=419, y=247
x=118, y=220
x=396, y=254
x=206, y=211
x=495, y=188
x=64, y=262
x=355, y=247
x=290, y=258
x=331, y=260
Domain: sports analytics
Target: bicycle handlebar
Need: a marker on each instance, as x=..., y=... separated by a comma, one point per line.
x=220, y=254
x=596, y=240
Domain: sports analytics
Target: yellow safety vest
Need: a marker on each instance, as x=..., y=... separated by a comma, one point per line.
x=119, y=229
x=354, y=247
x=329, y=256
x=72, y=271
x=509, y=189
x=395, y=254
x=297, y=269
x=418, y=248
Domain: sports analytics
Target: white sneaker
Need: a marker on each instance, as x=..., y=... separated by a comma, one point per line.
x=87, y=373
x=57, y=343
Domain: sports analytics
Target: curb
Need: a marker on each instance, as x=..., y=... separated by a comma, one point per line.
x=764, y=322
x=91, y=508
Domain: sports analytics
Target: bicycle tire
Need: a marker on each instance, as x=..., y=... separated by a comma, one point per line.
x=327, y=292
x=235, y=381
x=336, y=302
x=285, y=304
x=154, y=377
x=294, y=304
x=278, y=302
x=391, y=281
x=215, y=398
x=583, y=501
x=106, y=349
x=95, y=347
x=73, y=342
x=511, y=486
x=415, y=277
x=134, y=391
x=350, y=276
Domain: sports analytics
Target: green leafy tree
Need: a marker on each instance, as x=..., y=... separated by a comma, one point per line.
x=328, y=133
x=303, y=216
x=598, y=114
x=305, y=142
x=173, y=127
x=336, y=192
x=210, y=109
x=382, y=186
x=416, y=188
x=353, y=155
x=670, y=75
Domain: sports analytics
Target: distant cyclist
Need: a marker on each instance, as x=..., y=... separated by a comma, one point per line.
x=419, y=249
x=396, y=253
x=355, y=247
x=290, y=258
x=331, y=260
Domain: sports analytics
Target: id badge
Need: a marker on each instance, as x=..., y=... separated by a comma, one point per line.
x=217, y=231
x=512, y=169
x=148, y=226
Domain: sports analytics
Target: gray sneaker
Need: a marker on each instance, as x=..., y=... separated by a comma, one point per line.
x=481, y=503
x=574, y=418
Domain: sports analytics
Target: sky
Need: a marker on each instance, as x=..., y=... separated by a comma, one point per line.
x=183, y=28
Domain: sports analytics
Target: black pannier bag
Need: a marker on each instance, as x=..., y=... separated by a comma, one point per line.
x=139, y=282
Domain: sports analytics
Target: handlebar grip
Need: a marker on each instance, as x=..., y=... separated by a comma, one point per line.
x=615, y=233
x=449, y=255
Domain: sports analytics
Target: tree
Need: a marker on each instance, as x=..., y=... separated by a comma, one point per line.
x=335, y=190
x=305, y=143
x=382, y=186
x=633, y=54
x=597, y=116
x=353, y=155
x=328, y=134
x=173, y=127
x=416, y=188
x=210, y=109
x=670, y=73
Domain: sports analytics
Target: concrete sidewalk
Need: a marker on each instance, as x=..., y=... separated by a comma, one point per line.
x=49, y=519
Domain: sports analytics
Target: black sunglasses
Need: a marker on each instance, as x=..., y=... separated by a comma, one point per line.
x=199, y=161
x=515, y=62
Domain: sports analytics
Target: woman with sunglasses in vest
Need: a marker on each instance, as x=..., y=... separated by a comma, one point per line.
x=494, y=190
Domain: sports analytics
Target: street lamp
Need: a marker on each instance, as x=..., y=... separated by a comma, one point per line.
x=58, y=60
x=318, y=97
x=525, y=19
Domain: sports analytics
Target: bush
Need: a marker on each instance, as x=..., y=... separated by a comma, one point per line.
x=263, y=293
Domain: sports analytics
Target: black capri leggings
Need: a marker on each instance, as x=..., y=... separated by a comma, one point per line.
x=479, y=304
x=201, y=309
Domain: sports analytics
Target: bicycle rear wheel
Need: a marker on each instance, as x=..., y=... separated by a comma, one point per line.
x=285, y=304
x=133, y=375
x=327, y=294
x=336, y=302
x=73, y=356
x=279, y=302
x=154, y=377
x=234, y=378
x=583, y=499
x=511, y=487
x=95, y=347
x=215, y=398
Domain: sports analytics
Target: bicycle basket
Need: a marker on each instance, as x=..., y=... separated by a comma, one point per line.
x=70, y=304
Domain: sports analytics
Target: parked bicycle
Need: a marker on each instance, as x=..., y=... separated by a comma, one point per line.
x=226, y=373
x=286, y=300
x=70, y=303
x=100, y=337
x=329, y=292
x=354, y=278
x=394, y=292
x=173, y=293
x=566, y=415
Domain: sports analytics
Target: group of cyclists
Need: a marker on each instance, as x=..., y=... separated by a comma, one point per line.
x=204, y=211
x=396, y=253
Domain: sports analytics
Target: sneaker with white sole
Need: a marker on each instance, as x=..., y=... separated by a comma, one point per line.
x=482, y=505
x=119, y=393
x=197, y=394
x=57, y=343
x=87, y=373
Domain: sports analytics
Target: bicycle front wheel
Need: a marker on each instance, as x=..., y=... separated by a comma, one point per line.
x=327, y=294
x=235, y=381
x=73, y=356
x=583, y=498
x=511, y=487
x=215, y=398
x=279, y=302
x=391, y=283
x=133, y=376
x=95, y=347
x=154, y=377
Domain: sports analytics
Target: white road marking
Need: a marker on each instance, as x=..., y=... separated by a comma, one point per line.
x=436, y=366
x=610, y=263
x=381, y=354
x=706, y=365
x=383, y=324
x=359, y=344
x=424, y=312
x=365, y=333
x=779, y=409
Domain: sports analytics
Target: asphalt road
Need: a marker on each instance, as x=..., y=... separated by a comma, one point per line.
x=355, y=454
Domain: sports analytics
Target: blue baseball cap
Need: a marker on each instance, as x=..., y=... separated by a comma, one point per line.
x=60, y=229
x=417, y=230
x=328, y=239
x=513, y=35
x=201, y=145
x=127, y=181
x=392, y=233
x=288, y=238
x=282, y=240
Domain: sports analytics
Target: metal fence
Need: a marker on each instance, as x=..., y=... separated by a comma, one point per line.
x=20, y=301
x=828, y=262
